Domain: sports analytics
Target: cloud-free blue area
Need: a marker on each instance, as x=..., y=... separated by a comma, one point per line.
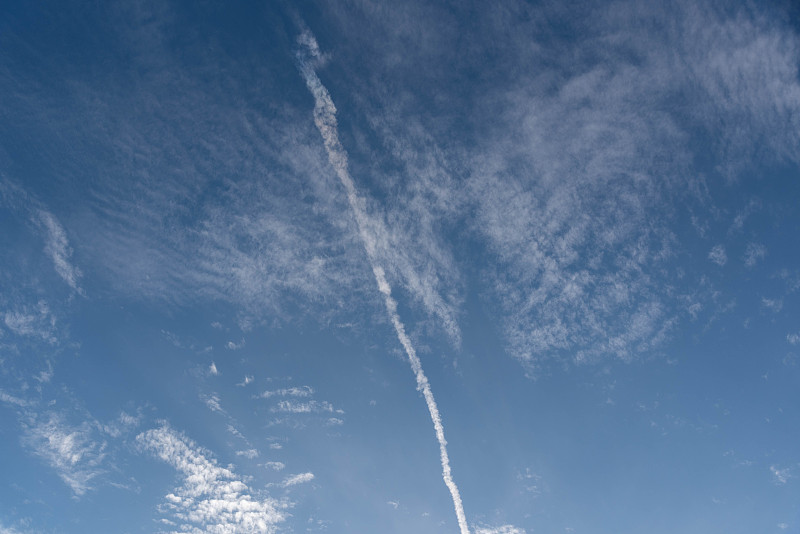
x=231, y=233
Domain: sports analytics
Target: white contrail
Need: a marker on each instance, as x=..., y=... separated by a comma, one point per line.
x=325, y=119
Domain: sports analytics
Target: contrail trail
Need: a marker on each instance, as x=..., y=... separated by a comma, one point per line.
x=325, y=119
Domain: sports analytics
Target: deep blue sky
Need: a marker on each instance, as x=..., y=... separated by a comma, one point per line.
x=274, y=267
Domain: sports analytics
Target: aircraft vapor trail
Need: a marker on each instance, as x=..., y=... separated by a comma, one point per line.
x=325, y=120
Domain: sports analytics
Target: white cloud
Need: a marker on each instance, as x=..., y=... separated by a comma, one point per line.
x=311, y=406
x=124, y=423
x=212, y=369
x=213, y=402
x=249, y=453
x=573, y=179
x=302, y=391
x=293, y=480
x=71, y=450
x=235, y=346
x=33, y=321
x=57, y=247
x=11, y=399
x=793, y=339
x=275, y=466
x=718, y=256
x=780, y=475
x=505, y=529
x=247, y=380
x=773, y=305
x=325, y=119
x=211, y=498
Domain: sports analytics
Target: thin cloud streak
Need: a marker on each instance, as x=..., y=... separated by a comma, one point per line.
x=325, y=119
x=58, y=249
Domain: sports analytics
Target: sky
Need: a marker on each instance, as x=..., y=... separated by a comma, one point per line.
x=413, y=266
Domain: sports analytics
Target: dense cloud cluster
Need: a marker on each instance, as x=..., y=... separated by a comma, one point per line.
x=212, y=499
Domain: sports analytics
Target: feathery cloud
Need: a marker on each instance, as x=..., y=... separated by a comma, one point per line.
x=57, y=247
x=11, y=399
x=73, y=451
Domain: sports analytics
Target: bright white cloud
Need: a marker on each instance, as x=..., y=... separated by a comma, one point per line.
x=212, y=499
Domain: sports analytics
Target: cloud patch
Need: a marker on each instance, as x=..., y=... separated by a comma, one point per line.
x=211, y=498
x=73, y=451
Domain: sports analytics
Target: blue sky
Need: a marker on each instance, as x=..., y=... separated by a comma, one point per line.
x=355, y=266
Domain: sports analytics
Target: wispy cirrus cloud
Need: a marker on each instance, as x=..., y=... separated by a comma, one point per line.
x=296, y=391
x=33, y=321
x=49, y=229
x=211, y=498
x=57, y=247
x=12, y=399
x=76, y=452
x=202, y=194
x=573, y=157
x=10, y=530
